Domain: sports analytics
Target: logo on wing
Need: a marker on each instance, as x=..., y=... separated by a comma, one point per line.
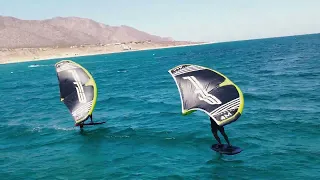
x=79, y=88
x=203, y=95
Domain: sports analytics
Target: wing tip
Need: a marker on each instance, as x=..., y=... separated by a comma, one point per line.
x=187, y=112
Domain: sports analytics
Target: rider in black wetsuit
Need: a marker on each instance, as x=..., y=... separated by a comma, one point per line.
x=214, y=129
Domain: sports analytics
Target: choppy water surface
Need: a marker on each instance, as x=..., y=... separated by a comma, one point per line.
x=146, y=137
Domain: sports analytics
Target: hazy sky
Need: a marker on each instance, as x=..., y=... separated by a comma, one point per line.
x=197, y=20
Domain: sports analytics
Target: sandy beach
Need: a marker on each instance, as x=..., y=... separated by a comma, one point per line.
x=14, y=55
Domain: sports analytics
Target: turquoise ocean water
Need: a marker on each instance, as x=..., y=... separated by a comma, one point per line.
x=146, y=137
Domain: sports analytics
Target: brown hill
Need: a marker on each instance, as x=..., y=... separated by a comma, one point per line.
x=66, y=31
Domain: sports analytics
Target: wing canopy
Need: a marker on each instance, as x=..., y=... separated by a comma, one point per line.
x=207, y=90
x=78, y=90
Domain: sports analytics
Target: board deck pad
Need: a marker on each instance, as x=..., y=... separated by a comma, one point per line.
x=225, y=149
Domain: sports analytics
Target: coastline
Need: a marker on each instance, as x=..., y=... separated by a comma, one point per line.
x=19, y=55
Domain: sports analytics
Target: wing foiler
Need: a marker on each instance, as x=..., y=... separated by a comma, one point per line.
x=209, y=91
x=78, y=90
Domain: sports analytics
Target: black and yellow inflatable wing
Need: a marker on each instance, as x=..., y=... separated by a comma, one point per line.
x=78, y=90
x=207, y=90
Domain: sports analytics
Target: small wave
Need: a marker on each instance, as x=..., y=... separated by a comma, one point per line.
x=161, y=57
x=170, y=138
x=27, y=129
x=65, y=129
x=124, y=136
x=121, y=70
x=36, y=129
x=277, y=59
x=17, y=85
x=31, y=66
x=265, y=72
x=166, y=113
x=36, y=65
x=118, y=99
x=257, y=96
x=171, y=177
x=149, y=135
x=293, y=74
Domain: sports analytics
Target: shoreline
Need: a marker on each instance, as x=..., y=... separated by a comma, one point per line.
x=20, y=55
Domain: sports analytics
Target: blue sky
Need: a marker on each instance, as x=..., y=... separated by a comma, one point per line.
x=196, y=20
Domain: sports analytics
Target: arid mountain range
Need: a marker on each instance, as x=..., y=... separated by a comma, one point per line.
x=66, y=31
